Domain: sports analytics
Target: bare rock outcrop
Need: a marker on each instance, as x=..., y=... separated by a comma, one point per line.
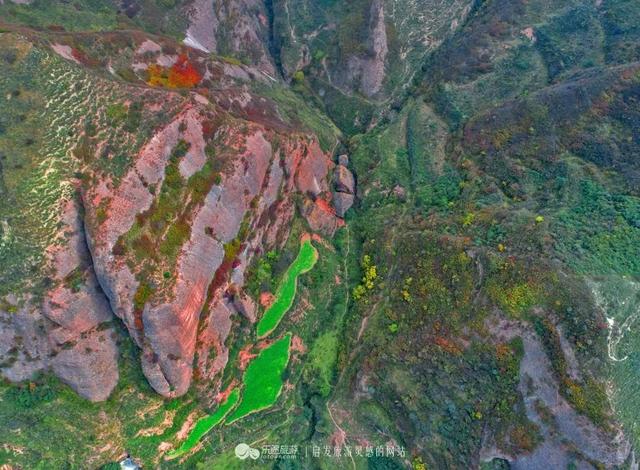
x=82, y=338
x=369, y=69
x=342, y=202
x=238, y=28
x=343, y=180
x=344, y=187
x=246, y=306
x=71, y=332
x=24, y=346
x=566, y=429
x=161, y=239
x=321, y=216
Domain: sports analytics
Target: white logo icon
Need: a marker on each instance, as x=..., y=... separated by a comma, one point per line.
x=244, y=451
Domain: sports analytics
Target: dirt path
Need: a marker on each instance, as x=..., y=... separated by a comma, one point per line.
x=363, y=324
x=342, y=433
x=345, y=274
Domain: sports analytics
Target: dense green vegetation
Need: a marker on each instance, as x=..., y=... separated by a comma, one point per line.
x=286, y=292
x=321, y=362
x=157, y=16
x=263, y=379
x=206, y=424
x=501, y=204
x=300, y=111
x=84, y=15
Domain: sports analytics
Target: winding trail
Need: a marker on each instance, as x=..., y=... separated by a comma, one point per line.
x=342, y=432
x=345, y=271
x=363, y=324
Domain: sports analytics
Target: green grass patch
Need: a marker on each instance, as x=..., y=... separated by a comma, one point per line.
x=82, y=429
x=116, y=113
x=306, y=259
x=206, y=424
x=322, y=359
x=263, y=379
x=81, y=15
x=157, y=16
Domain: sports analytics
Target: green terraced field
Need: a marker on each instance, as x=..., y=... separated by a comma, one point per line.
x=206, y=424
x=263, y=379
x=286, y=293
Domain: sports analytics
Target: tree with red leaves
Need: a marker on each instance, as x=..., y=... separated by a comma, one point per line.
x=182, y=74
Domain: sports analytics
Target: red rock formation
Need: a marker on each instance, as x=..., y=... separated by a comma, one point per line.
x=255, y=182
x=165, y=242
x=71, y=332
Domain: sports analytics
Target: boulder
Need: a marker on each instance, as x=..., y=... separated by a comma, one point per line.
x=70, y=333
x=400, y=192
x=342, y=203
x=343, y=180
x=320, y=216
x=313, y=166
x=90, y=367
x=23, y=346
x=246, y=306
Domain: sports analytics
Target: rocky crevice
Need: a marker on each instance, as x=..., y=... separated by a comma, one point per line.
x=274, y=45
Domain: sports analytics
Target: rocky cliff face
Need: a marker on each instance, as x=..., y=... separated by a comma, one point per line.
x=71, y=331
x=348, y=44
x=161, y=301
x=362, y=52
x=236, y=28
x=367, y=72
x=160, y=237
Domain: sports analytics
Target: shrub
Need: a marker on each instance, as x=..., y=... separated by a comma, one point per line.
x=370, y=274
x=31, y=394
x=182, y=74
x=298, y=77
x=116, y=113
x=143, y=294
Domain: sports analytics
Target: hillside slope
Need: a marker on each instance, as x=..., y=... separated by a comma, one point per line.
x=466, y=177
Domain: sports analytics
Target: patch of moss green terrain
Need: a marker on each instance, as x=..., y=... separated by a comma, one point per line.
x=206, y=424
x=285, y=294
x=263, y=379
x=157, y=16
x=301, y=109
x=35, y=148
